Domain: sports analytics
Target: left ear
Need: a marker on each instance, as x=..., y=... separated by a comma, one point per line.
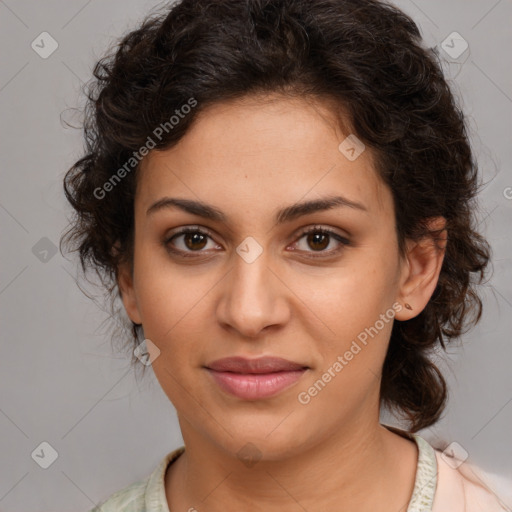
x=421, y=268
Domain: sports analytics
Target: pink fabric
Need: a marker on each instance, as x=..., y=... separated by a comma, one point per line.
x=462, y=490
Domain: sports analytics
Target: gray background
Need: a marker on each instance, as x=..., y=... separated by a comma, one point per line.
x=60, y=380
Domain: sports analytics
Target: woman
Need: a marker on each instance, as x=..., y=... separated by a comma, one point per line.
x=281, y=192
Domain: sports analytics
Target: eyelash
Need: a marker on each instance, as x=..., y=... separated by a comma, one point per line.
x=315, y=229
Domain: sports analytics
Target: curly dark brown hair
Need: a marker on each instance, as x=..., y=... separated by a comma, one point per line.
x=366, y=56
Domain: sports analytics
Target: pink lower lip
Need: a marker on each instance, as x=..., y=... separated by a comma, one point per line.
x=253, y=386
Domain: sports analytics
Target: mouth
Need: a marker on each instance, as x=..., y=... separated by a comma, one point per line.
x=255, y=379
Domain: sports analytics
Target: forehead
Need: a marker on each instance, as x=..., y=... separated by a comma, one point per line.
x=259, y=152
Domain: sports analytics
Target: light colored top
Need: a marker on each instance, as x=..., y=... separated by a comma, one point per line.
x=442, y=484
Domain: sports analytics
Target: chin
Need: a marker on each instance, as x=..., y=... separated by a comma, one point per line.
x=269, y=439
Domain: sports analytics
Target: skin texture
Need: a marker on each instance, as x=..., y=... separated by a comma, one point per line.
x=249, y=158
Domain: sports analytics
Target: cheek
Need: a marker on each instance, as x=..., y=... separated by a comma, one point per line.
x=169, y=303
x=173, y=314
x=354, y=296
x=357, y=306
x=359, y=311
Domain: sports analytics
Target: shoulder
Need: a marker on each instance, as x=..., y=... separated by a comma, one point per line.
x=129, y=499
x=463, y=486
x=145, y=495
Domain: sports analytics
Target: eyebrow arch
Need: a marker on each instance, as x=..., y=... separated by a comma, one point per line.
x=283, y=215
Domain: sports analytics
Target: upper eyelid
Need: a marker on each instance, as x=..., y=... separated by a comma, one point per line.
x=301, y=232
x=319, y=227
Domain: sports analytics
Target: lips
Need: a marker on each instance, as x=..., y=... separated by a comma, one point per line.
x=260, y=365
x=254, y=379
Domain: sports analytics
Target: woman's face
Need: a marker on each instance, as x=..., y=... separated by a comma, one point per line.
x=252, y=284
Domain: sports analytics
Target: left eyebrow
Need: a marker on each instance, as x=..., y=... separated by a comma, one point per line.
x=298, y=210
x=283, y=215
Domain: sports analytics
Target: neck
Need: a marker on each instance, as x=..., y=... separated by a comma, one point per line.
x=338, y=471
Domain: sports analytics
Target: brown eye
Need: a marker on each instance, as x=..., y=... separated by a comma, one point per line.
x=187, y=241
x=194, y=241
x=317, y=239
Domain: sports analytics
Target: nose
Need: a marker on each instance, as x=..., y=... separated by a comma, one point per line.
x=253, y=298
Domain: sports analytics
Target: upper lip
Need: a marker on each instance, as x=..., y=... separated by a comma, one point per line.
x=259, y=365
